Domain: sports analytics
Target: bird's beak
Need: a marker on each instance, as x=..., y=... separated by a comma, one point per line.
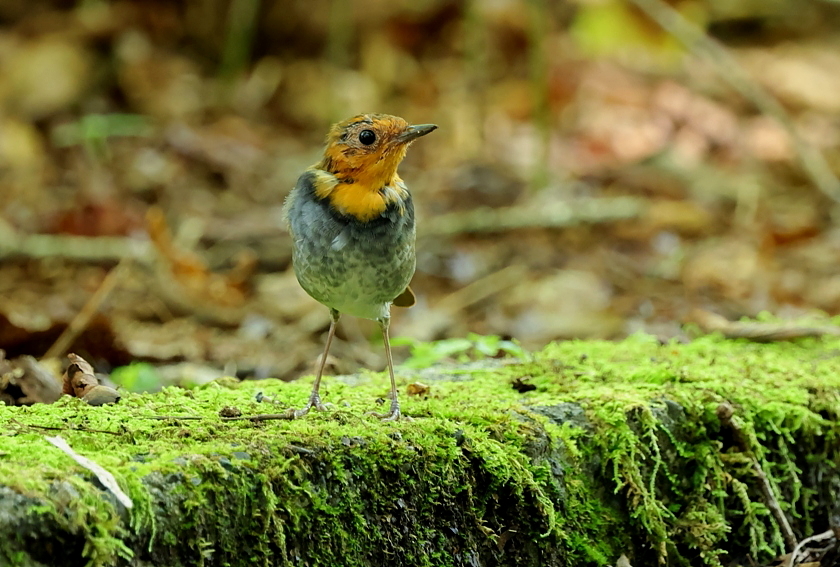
x=413, y=132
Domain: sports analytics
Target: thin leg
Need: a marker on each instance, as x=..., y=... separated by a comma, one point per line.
x=394, y=413
x=315, y=398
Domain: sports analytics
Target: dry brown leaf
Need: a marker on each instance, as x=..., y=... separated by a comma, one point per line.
x=191, y=272
x=79, y=378
x=23, y=381
x=81, y=382
x=418, y=389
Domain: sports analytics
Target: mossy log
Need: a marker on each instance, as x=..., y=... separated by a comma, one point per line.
x=615, y=448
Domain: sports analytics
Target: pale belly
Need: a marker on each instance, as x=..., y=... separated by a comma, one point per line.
x=354, y=282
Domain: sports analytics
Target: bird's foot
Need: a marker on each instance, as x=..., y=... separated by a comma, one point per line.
x=314, y=403
x=394, y=414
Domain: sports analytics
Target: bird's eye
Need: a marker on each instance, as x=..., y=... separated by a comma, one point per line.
x=367, y=137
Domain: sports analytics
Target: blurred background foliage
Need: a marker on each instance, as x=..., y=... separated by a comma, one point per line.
x=593, y=174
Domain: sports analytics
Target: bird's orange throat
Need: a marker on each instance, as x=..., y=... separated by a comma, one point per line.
x=363, y=196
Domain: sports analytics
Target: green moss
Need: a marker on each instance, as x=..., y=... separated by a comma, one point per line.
x=618, y=450
x=781, y=392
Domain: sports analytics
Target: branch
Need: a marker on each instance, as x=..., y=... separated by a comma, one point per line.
x=696, y=41
x=726, y=415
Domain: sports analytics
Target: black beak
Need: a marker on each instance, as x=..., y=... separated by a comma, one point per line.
x=413, y=132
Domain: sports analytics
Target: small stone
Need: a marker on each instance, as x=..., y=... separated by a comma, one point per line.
x=459, y=436
x=101, y=395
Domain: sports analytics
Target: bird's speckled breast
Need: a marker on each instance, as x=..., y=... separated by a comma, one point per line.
x=356, y=268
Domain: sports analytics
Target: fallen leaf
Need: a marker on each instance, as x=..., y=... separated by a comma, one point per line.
x=418, y=389
x=79, y=378
x=23, y=381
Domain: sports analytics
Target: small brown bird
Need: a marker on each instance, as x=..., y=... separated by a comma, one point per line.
x=351, y=218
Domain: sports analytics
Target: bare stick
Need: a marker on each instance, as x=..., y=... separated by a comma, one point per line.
x=76, y=428
x=696, y=40
x=555, y=215
x=193, y=417
x=538, y=30
x=262, y=417
x=106, y=478
x=482, y=288
x=83, y=317
x=826, y=535
x=84, y=248
x=258, y=417
x=756, y=331
x=725, y=413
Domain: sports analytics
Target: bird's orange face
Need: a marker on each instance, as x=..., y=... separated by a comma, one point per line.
x=362, y=156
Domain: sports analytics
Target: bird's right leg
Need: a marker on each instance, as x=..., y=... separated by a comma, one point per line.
x=315, y=398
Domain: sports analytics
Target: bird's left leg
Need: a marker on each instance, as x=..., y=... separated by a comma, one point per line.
x=315, y=397
x=394, y=413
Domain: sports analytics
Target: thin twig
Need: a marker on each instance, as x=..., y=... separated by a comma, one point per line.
x=539, y=71
x=828, y=534
x=192, y=417
x=696, y=40
x=559, y=214
x=757, y=331
x=84, y=248
x=106, y=478
x=262, y=417
x=726, y=413
x=83, y=317
x=257, y=417
x=78, y=428
x=482, y=288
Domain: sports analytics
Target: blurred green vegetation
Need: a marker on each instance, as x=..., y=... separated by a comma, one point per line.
x=473, y=347
x=553, y=117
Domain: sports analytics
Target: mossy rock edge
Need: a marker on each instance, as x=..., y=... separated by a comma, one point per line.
x=617, y=450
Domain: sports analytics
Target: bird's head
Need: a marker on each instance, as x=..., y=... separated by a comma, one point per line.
x=361, y=157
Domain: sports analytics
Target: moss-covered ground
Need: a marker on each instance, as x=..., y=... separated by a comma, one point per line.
x=617, y=449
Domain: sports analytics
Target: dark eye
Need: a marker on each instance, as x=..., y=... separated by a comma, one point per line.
x=367, y=137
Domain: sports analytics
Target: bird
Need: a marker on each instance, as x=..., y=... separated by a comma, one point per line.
x=351, y=219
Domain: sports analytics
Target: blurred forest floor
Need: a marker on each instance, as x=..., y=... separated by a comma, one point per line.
x=591, y=177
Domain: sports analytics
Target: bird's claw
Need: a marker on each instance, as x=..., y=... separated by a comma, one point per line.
x=394, y=414
x=314, y=403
